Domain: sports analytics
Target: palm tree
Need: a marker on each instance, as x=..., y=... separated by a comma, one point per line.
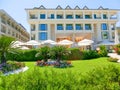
x=44, y=53
x=5, y=47
x=57, y=52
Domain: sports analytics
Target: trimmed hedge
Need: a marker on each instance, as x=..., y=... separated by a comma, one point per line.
x=24, y=55
x=90, y=54
x=75, y=54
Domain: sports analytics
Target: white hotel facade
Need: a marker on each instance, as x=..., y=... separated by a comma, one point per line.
x=72, y=24
x=9, y=27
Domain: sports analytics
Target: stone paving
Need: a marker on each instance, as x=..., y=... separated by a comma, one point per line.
x=114, y=55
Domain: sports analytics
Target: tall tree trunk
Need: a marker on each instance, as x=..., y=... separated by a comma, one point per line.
x=3, y=58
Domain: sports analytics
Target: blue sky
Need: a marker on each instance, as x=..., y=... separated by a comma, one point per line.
x=16, y=8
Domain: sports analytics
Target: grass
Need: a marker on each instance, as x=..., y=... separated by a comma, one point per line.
x=81, y=66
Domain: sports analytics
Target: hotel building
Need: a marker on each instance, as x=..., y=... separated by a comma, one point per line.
x=74, y=24
x=9, y=27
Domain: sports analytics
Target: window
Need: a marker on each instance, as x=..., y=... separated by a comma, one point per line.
x=104, y=35
x=43, y=36
x=87, y=17
x=104, y=26
x=32, y=27
x=87, y=26
x=95, y=16
x=59, y=27
x=52, y=16
x=33, y=37
x=104, y=16
x=43, y=27
x=59, y=16
x=112, y=27
x=77, y=16
x=69, y=16
x=42, y=16
x=69, y=27
x=33, y=16
x=78, y=27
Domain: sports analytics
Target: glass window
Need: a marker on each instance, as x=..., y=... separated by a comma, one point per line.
x=78, y=27
x=95, y=16
x=59, y=27
x=43, y=27
x=105, y=35
x=104, y=26
x=112, y=27
x=104, y=16
x=59, y=16
x=77, y=16
x=87, y=26
x=52, y=16
x=43, y=36
x=69, y=27
x=69, y=16
x=87, y=16
x=42, y=16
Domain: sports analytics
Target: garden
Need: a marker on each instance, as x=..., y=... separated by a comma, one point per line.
x=57, y=68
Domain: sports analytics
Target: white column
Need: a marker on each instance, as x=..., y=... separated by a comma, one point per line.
x=46, y=15
x=92, y=27
x=64, y=26
x=83, y=15
x=55, y=15
x=48, y=31
x=108, y=15
x=101, y=15
x=55, y=31
x=99, y=36
x=38, y=15
x=37, y=32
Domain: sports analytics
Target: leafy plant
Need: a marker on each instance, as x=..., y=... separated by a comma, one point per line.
x=44, y=53
x=5, y=47
x=90, y=54
x=103, y=51
x=58, y=52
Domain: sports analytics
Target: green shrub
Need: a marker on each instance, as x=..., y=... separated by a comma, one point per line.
x=102, y=78
x=24, y=55
x=103, y=51
x=112, y=59
x=117, y=49
x=90, y=54
x=75, y=54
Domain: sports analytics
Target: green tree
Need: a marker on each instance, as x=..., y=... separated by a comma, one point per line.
x=44, y=53
x=103, y=51
x=5, y=47
x=58, y=52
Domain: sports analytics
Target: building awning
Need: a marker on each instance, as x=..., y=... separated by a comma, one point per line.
x=106, y=43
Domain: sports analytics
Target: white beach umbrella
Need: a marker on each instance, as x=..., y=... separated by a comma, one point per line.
x=24, y=48
x=32, y=43
x=65, y=42
x=49, y=42
x=16, y=44
x=85, y=42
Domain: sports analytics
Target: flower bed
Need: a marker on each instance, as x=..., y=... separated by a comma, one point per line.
x=61, y=64
x=11, y=66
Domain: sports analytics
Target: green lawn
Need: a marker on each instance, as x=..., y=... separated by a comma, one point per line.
x=81, y=66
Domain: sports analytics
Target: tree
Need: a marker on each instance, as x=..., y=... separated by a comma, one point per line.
x=58, y=52
x=44, y=53
x=5, y=47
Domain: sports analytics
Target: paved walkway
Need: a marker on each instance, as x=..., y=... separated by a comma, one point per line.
x=114, y=55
